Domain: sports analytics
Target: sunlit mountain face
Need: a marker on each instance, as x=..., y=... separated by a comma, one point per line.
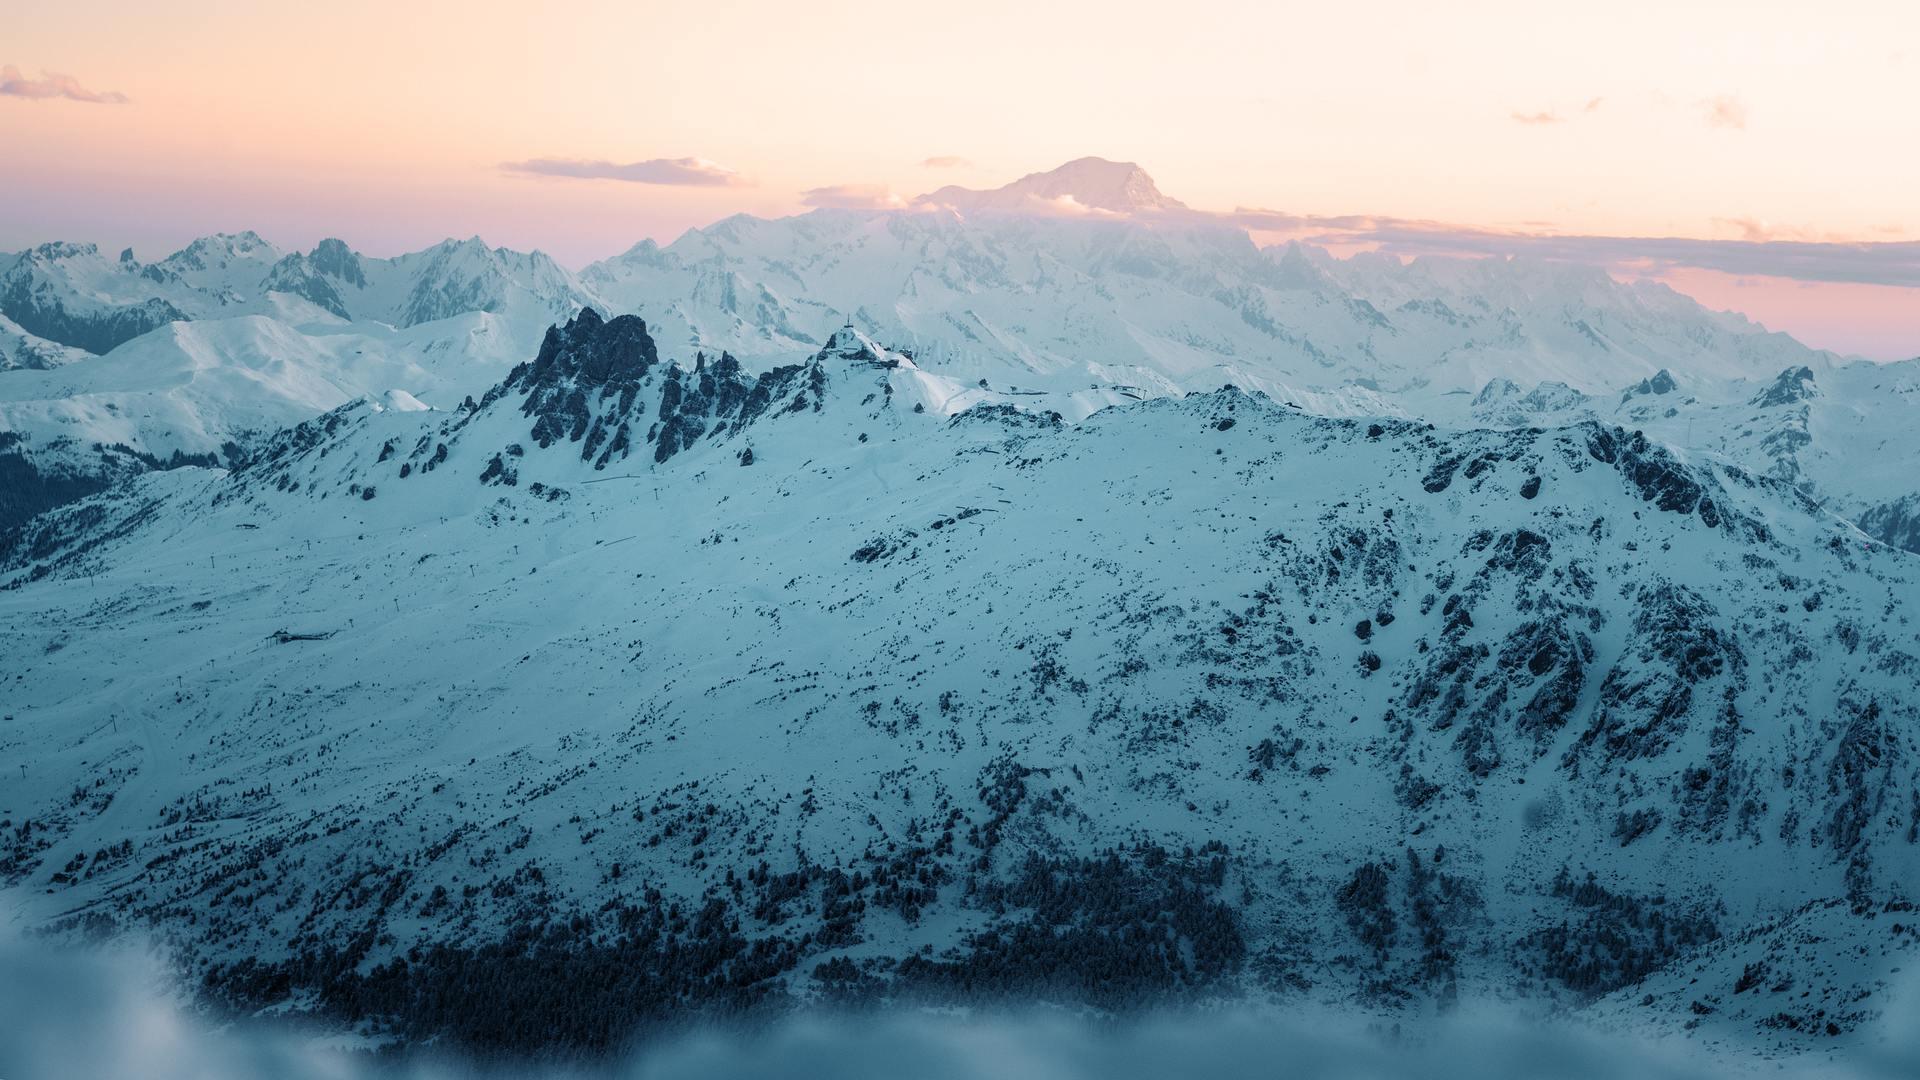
x=943, y=616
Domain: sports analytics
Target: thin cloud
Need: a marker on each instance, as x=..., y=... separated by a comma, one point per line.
x=1895, y=263
x=1726, y=112
x=1760, y=229
x=52, y=85
x=1798, y=260
x=946, y=161
x=680, y=172
x=1551, y=117
x=852, y=197
x=1349, y=228
x=1750, y=228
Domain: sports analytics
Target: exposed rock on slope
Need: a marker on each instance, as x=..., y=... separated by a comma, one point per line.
x=1199, y=696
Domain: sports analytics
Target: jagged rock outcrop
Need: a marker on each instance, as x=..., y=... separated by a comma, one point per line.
x=1793, y=386
x=1896, y=523
x=297, y=275
x=338, y=261
x=1659, y=383
x=1654, y=472
x=597, y=382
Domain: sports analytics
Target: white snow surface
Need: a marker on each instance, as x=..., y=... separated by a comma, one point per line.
x=947, y=537
x=424, y=640
x=1067, y=314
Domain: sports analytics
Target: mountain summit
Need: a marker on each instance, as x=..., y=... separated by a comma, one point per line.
x=1088, y=183
x=746, y=690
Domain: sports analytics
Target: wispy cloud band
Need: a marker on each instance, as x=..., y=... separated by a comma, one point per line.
x=1548, y=116
x=682, y=172
x=852, y=197
x=1856, y=263
x=51, y=85
x=1726, y=112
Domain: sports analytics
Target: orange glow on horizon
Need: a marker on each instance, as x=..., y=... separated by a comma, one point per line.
x=388, y=124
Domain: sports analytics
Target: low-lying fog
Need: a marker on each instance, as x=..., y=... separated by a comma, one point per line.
x=70, y=1013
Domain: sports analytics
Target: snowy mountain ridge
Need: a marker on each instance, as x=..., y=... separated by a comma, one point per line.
x=1084, y=185
x=73, y=295
x=230, y=338
x=1060, y=313
x=734, y=687
x=1845, y=435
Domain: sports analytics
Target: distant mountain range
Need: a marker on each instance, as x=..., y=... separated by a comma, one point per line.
x=1065, y=291
x=72, y=295
x=1085, y=185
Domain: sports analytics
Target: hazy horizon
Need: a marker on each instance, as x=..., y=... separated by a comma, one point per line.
x=1806, y=310
x=1729, y=125
x=1107, y=540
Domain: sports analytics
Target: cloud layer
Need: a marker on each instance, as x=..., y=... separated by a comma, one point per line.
x=1894, y=263
x=1726, y=112
x=852, y=197
x=1551, y=117
x=13, y=83
x=682, y=172
x=946, y=161
x=77, y=1013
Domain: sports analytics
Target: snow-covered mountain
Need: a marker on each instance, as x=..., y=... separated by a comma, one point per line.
x=73, y=295
x=1073, y=313
x=651, y=682
x=229, y=337
x=1085, y=185
x=202, y=391
x=1146, y=305
x=1846, y=434
x=1002, y=292
x=194, y=386
x=19, y=349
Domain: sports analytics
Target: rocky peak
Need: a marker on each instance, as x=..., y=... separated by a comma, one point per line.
x=1553, y=394
x=296, y=275
x=1662, y=382
x=849, y=346
x=1296, y=266
x=1092, y=183
x=587, y=382
x=220, y=249
x=645, y=253
x=1791, y=386
x=336, y=260
x=61, y=249
x=587, y=353
x=1497, y=389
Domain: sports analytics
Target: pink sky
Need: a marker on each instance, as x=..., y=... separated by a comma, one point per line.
x=1876, y=321
x=388, y=125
